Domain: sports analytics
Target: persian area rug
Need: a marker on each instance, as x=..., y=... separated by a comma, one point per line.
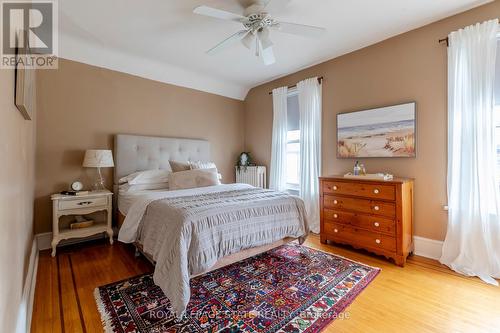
x=292, y=288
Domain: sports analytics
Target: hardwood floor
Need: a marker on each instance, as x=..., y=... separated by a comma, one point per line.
x=424, y=296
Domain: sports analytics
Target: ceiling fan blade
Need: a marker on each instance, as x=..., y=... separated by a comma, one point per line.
x=263, y=36
x=248, y=40
x=218, y=13
x=299, y=29
x=228, y=41
x=268, y=56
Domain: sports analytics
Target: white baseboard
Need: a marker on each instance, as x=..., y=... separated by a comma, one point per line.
x=26, y=306
x=44, y=240
x=427, y=247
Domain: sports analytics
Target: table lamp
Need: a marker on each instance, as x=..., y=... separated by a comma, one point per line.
x=98, y=158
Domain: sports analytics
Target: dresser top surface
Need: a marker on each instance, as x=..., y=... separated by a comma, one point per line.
x=395, y=180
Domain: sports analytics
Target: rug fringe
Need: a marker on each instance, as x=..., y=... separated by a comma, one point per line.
x=105, y=317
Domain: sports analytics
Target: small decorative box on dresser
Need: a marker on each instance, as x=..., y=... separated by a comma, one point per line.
x=374, y=215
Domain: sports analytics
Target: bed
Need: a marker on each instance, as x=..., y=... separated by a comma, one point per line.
x=191, y=231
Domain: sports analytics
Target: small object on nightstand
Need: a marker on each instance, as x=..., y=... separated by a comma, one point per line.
x=77, y=186
x=82, y=224
x=74, y=193
x=94, y=201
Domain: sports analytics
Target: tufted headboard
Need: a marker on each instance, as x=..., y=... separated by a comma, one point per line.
x=136, y=153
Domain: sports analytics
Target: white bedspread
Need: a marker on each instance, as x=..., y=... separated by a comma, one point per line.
x=138, y=202
x=187, y=231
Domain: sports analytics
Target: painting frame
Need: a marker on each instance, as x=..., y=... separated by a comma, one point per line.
x=24, y=82
x=401, y=141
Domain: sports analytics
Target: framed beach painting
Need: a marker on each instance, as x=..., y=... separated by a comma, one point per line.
x=383, y=132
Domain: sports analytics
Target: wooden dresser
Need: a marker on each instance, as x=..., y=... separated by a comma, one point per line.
x=373, y=215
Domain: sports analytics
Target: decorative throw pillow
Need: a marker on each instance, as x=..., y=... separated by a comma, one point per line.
x=179, y=166
x=193, y=178
x=128, y=188
x=146, y=177
x=202, y=165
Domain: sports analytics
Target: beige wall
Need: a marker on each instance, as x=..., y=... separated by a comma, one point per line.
x=409, y=67
x=17, y=169
x=82, y=107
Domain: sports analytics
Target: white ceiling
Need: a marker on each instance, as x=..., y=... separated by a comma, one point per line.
x=164, y=41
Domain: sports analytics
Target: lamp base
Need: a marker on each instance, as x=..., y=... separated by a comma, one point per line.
x=99, y=183
x=98, y=186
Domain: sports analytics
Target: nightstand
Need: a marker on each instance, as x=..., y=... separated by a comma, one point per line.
x=94, y=201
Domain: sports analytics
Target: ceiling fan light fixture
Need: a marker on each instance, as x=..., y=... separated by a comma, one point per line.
x=257, y=47
x=257, y=23
x=263, y=36
x=268, y=56
x=248, y=40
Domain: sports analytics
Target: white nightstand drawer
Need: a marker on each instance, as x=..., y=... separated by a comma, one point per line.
x=82, y=203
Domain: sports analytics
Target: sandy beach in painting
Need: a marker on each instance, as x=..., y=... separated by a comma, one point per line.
x=390, y=139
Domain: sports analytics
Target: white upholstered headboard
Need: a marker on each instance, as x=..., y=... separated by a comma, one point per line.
x=137, y=153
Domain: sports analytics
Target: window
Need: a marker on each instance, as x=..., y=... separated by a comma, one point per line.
x=293, y=143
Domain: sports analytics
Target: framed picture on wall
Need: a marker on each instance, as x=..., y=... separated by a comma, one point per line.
x=382, y=132
x=24, y=95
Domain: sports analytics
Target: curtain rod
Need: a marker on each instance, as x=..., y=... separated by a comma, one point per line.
x=320, y=79
x=447, y=39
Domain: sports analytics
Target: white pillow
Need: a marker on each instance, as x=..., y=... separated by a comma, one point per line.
x=193, y=178
x=128, y=188
x=204, y=165
x=146, y=177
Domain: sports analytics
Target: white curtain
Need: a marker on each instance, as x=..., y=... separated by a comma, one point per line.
x=277, y=176
x=310, y=147
x=472, y=244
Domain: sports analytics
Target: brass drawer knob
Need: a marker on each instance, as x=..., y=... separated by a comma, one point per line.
x=334, y=188
x=376, y=191
x=335, y=230
x=377, y=241
x=335, y=216
x=376, y=208
x=335, y=202
x=376, y=224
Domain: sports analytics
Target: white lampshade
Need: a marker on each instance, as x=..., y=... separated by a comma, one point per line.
x=95, y=158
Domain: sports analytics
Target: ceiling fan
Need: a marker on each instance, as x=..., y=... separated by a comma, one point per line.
x=257, y=24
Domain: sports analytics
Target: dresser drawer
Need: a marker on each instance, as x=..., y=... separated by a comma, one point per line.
x=82, y=203
x=371, y=223
x=360, y=205
x=375, y=191
x=359, y=238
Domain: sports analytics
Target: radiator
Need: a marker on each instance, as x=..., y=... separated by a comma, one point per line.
x=253, y=175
